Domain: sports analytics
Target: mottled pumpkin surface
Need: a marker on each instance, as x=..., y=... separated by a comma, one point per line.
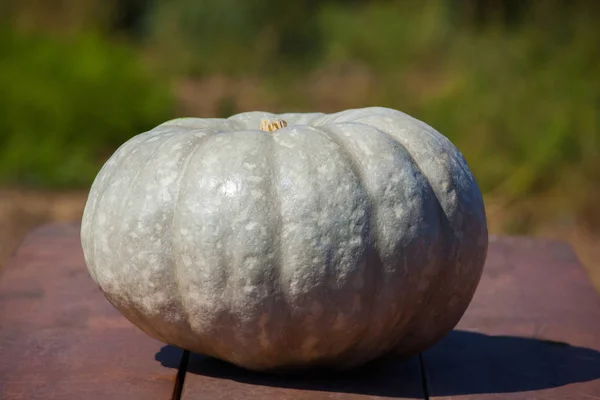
x=334, y=240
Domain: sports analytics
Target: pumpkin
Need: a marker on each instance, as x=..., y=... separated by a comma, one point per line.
x=288, y=241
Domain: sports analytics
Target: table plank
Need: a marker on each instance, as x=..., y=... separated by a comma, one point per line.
x=531, y=332
x=59, y=337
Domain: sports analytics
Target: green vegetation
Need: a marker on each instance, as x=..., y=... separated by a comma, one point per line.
x=515, y=83
x=67, y=104
x=521, y=101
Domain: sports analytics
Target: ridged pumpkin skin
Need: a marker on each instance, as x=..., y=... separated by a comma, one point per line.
x=330, y=242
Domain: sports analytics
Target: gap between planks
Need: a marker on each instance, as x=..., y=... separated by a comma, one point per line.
x=180, y=378
x=424, y=379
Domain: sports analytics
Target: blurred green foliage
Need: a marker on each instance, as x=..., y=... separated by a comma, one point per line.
x=522, y=101
x=233, y=36
x=66, y=104
x=515, y=84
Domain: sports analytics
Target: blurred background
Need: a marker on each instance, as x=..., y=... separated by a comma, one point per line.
x=515, y=84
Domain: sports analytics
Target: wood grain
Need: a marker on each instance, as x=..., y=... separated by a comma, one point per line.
x=531, y=332
x=59, y=337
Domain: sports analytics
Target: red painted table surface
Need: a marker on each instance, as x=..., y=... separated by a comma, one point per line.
x=531, y=332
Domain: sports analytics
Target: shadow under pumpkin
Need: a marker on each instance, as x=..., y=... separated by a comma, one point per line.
x=462, y=363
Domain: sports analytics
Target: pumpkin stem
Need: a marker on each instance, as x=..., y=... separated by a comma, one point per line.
x=270, y=125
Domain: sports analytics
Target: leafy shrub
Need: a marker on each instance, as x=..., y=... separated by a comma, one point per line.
x=520, y=100
x=67, y=103
x=235, y=36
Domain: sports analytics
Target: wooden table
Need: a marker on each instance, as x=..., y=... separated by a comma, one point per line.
x=532, y=332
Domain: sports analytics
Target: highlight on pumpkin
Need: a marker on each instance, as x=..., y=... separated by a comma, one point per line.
x=270, y=125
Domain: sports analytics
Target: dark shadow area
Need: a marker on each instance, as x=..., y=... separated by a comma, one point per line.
x=471, y=363
x=400, y=379
x=462, y=363
x=169, y=356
